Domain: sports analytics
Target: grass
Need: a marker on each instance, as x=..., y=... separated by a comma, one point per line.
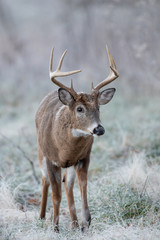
x=123, y=179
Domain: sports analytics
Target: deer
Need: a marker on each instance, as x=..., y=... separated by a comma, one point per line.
x=66, y=123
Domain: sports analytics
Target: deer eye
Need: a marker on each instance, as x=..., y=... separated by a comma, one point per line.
x=80, y=109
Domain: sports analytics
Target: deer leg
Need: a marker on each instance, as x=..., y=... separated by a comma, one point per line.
x=69, y=179
x=54, y=174
x=82, y=170
x=45, y=184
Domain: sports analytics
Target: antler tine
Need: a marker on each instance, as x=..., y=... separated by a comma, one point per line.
x=58, y=73
x=51, y=61
x=112, y=62
x=61, y=60
x=112, y=75
x=71, y=84
x=92, y=87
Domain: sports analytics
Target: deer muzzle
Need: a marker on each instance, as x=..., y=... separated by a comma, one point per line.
x=99, y=130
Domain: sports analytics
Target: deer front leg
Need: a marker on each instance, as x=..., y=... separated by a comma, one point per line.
x=54, y=174
x=69, y=179
x=45, y=184
x=82, y=170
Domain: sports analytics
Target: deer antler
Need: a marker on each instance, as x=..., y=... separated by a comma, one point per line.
x=58, y=73
x=112, y=75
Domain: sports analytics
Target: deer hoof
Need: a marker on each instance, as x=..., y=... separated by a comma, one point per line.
x=85, y=225
x=56, y=229
x=75, y=225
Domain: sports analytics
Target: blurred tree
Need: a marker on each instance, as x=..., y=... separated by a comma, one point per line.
x=8, y=26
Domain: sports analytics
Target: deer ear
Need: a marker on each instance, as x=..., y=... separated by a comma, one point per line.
x=105, y=96
x=65, y=97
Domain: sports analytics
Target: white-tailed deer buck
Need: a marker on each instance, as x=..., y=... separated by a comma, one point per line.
x=66, y=122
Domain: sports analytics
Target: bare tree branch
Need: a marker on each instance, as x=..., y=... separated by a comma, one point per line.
x=24, y=155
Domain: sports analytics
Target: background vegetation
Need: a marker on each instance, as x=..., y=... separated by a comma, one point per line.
x=124, y=174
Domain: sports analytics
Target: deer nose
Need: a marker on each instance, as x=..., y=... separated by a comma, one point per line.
x=99, y=130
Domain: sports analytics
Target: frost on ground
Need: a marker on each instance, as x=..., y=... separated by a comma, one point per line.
x=123, y=206
x=123, y=180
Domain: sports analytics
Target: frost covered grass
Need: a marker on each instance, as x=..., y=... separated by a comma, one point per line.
x=123, y=180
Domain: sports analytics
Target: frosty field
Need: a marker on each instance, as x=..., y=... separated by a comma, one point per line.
x=124, y=173
x=123, y=179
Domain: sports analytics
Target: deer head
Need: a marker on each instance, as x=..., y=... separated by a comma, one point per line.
x=84, y=108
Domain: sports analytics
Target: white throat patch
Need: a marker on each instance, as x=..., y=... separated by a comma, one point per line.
x=80, y=133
